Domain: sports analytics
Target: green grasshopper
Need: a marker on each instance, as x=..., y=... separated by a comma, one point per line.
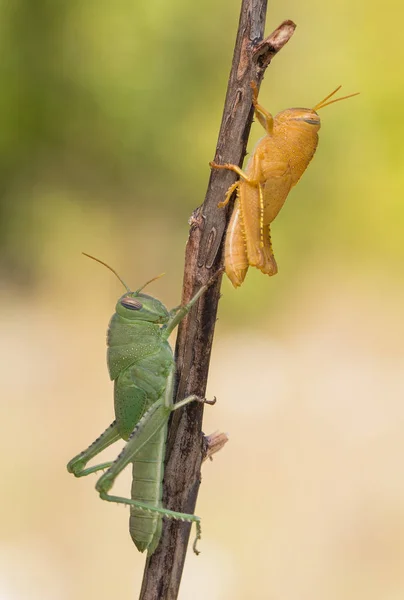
x=141, y=364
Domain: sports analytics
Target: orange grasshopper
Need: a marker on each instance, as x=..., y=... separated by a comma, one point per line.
x=278, y=161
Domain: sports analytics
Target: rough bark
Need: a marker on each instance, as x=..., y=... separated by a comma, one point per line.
x=203, y=257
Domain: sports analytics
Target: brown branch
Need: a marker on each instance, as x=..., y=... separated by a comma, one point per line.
x=186, y=448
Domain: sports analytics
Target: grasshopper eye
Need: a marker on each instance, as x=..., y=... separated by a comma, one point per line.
x=131, y=303
x=312, y=121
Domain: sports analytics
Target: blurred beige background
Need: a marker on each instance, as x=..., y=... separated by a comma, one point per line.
x=109, y=117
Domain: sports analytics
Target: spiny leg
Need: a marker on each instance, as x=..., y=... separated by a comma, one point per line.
x=164, y=512
x=261, y=196
x=151, y=422
x=269, y=267
x=77, y=464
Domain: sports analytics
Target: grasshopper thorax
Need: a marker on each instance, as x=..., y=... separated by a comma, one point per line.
x=141, y=307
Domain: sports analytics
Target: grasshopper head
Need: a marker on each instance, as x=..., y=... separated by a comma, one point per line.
x=306, y=117
x=141, y=307
x=135, y=306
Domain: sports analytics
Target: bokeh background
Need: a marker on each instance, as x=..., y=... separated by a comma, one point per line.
x=109, y=114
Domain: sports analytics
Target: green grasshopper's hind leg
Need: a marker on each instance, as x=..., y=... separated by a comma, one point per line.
x=152, y=421
x=77, y=464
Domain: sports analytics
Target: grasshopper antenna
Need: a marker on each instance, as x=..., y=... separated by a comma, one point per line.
x=147, y=282
x=325, y=103
x=110, y=268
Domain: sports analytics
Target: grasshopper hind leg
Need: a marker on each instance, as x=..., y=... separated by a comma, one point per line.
x=164, y=512
x=149, y=426
x=77, y=464
x=269, y=266
x=235, y=255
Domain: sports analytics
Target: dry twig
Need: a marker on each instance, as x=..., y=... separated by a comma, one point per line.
x=203, y=256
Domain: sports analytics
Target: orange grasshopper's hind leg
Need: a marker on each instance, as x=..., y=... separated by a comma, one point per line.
x=235, y=255
x=268, y=266
x=252, y=223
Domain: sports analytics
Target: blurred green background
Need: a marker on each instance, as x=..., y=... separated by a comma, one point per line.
x=109, y=114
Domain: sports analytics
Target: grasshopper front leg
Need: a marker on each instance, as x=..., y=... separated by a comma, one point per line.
x=179, y=312
x=263, y=116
